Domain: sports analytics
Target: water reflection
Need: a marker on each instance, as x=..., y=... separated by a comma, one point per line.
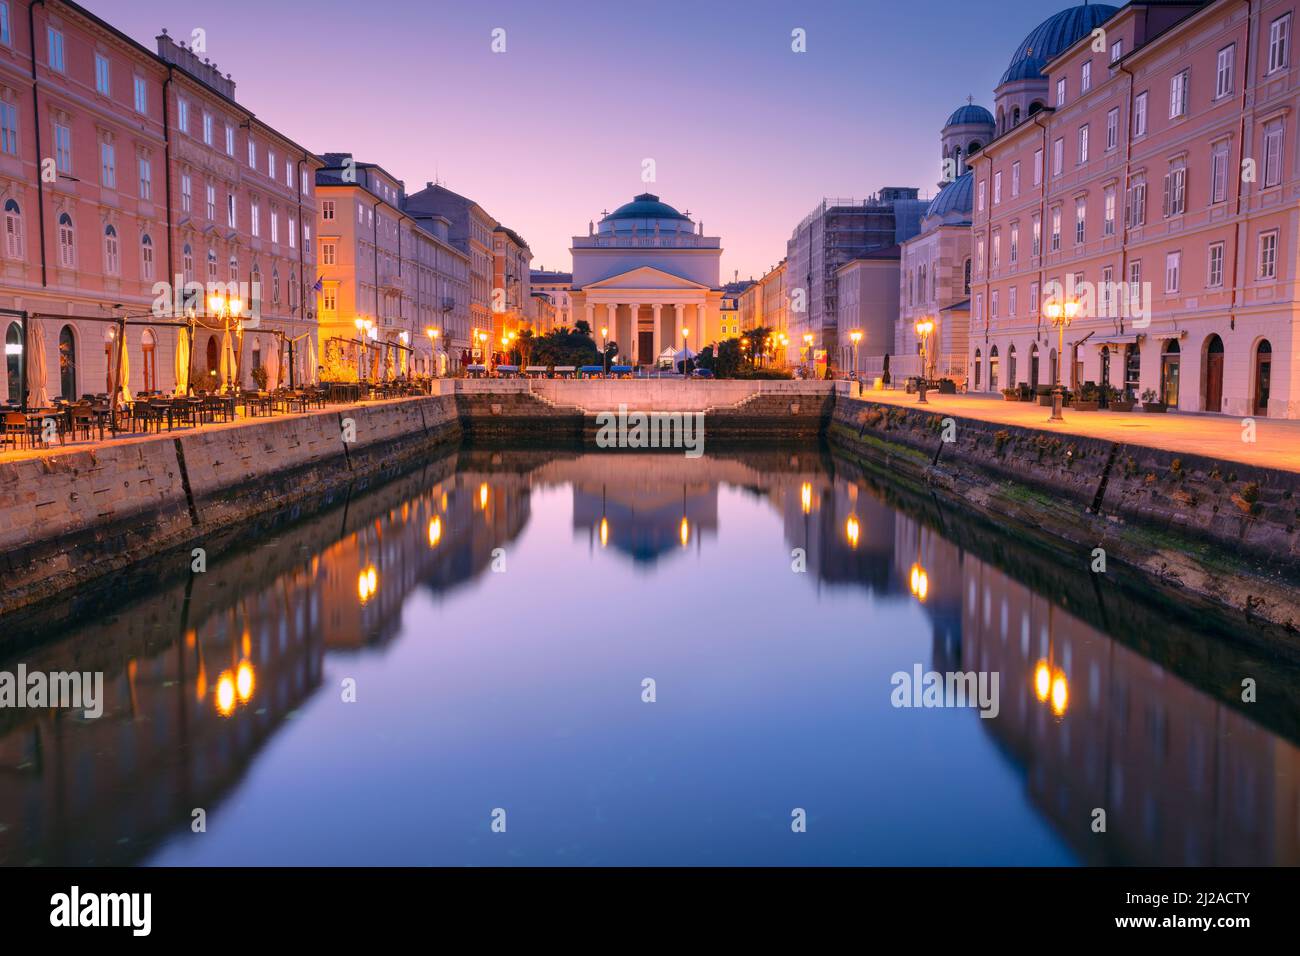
x=222, y=688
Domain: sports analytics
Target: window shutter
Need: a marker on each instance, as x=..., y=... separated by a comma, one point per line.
x=1168, y=190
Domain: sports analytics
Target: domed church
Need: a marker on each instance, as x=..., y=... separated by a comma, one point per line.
x=644, y=273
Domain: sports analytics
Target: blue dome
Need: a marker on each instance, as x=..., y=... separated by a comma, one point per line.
x=969, y=114
x=1053, y=35
x=955, y=197
x=645, y=206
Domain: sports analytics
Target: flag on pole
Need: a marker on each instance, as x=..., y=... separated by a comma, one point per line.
x=320, y=284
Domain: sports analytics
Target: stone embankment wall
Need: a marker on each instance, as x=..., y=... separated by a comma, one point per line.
x=1223, y=532
x=77, y=514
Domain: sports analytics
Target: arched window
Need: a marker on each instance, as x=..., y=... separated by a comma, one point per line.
x=255, y=287
x=993, y=369
x=275, y=286
x=920, y=285
x=1263, y=376
x=234, y=268
x=146, y=258
x=973, y=147
x=1214, y=364
x=67, y=242
x=13, y=360
x=112, y=258
x=1034, y=107
x=1011, y=367
x=212, y=361
x=67, y=364
x=1051, y=361
x=1015, y=116
x=187, y=262
x=148, y=345
x=13, y=230
x=966, y=273
x=212, y=266
x=1033, y=365
x=978, y=361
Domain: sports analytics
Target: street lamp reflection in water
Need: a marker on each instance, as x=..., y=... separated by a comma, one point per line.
x=919, y=582
x=852, y=530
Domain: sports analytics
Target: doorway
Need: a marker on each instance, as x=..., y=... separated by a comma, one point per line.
x=1170, y=362
x=1263, y=377
x=645, y=346
x=1214, y=374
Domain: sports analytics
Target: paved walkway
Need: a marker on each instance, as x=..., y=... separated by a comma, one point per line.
x=1276, y=445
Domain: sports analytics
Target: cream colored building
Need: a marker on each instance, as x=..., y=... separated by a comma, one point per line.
x=867, y=302
x=512, y=299
x=646, y=273
x=556, y=286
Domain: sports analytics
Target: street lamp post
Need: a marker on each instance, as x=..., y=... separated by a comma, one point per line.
x=808, y=348
x=685, y=353
x=855, y=337
x=604, y=349
x=226, y=306
x=1061, y=314
x=924, y=326
x=433, y=334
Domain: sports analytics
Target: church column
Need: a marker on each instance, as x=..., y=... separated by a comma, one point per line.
x=591, y=318
x=656, y=308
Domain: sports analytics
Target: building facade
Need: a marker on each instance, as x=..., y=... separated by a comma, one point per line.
x=647, y=273
x=161, y=188
x=866, y=302
x=386, y=278
x=836, y=231
x=512, y=297
x=776, y=312
x=556, y=285
x=1154, y=183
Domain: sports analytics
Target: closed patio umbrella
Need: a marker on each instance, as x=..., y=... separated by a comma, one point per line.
x=227, y=369
x=273, y=367
x=182, y=364
x=309, y=372
x=37, y=376
x=121, y=360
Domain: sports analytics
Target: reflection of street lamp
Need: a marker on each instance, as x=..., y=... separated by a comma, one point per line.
x=852, y=530
x=919, y=582
x=924, y=326
x=805, y=497
x=1061, y=314
x=1050, y=683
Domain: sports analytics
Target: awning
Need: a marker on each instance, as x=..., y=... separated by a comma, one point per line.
x=1171, y=334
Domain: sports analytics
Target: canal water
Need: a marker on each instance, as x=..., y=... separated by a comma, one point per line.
x=542, y=658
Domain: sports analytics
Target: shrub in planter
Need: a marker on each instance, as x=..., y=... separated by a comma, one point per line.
x=1150, y=403
x=1011, y=394
x=947, y=386
x=1118, y=401
x=1089, y=398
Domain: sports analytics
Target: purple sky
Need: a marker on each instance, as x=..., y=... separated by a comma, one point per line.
x=745, y=134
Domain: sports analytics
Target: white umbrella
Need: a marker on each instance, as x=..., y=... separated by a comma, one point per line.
x=37, y=376
x=182, y=360
x=121, y=360
x=273, y=367
x=309, y=371
x=227, y=369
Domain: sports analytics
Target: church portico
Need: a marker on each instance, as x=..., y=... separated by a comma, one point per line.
x=644, y=277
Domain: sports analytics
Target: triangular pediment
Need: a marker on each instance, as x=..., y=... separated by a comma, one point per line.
x=645, y=277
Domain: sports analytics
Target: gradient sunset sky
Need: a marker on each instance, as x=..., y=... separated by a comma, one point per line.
x=746, y=135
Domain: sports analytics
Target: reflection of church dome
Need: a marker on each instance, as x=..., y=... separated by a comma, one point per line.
x=645, y=206
x=968, y=114
x=1047, y=40
x=953, y=198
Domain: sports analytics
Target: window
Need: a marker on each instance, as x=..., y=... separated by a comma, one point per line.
x=1267, y=256
x=187, y=262
x=980, y=198
x=146, y=178
x=146, y=258
x=1175, y=202
x=5, y=36
x=327, y=210
x=231, y=218
x=329, y=298
x=1056, y=229
x=230, y=140
x=327, y=253
x=966, y=279
x=1214, y=271
x=107, y=166
x=102, y=82
x=275, y=226
x=1223, y=71
x=187, y=193
x=1116, y=50
x=293, y=239
x=1219, y=172
x=979, y=256
x=8, y=128
x=255, y=216
x=1173, y=264
x=1107, y=288
x=1011, y=301
x=1279, y=43
x=997, y=187
x=212, y=266
x=207, y=127
x=1083, y=143
x=1058, y=156
x=1037, y=233
x=305, y=183
x=1015, y=244
x=1015, y=178
x=270, y=164
x=54, y=42
x=1060, y=93
x=1080, y=219
x=1134, y=276
x=112, y=260
x=1033, y=298
x=997, y=250
x=1038, y=167
x=1272, y=153
x=288, y=174
x=62, y=148
x=1085, y=78
x=306, y=234
x=1178, y=95
x=252, y=153
x=141, y=95
x=1135, y=211
x=1108, y=212
x=13, y=230
x=1140, y=114
x=993, y=304
x=212, y=203
x=149, y=354
x=183, y=115
x=1112, y=128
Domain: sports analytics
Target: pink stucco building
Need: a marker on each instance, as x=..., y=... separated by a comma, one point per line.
x=1145, y=165
x=121, y=168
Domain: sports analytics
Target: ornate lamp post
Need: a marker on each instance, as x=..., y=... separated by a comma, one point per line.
x=855, y=337
x=604, y=349
x=1061, y=315
x=685, y=356
x=924, y=326
x=226, y=307
x=433, y=334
